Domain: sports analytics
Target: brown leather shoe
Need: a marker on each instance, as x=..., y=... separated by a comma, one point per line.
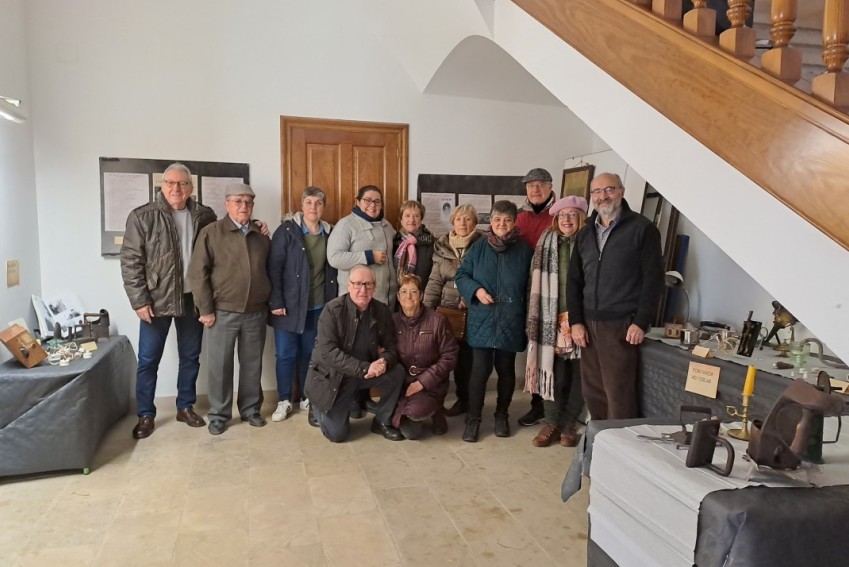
x=569, y=437
x=144, y=427
x=440, y=424
x=546, y=435
x=189, y=417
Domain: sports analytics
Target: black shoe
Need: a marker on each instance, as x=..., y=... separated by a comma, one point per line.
x=311, y=418
x=502, y=426
x=411, y=429
x=387, y=431
x=472, y=431
x=255, y=419
x=533, y=417
x=371, y=406
x=440, y=425
x=144, y=427
x=217, y=426
x=457, y=409
x=357, y=411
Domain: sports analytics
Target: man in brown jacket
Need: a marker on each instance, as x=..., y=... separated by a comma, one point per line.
x=231, y=290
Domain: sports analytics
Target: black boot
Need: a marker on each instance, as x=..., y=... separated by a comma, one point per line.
x=536, y=413
x=311, y=419
x=457, y=409
x=472, y=431
x=502, y=426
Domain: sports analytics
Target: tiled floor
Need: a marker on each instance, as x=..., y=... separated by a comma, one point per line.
x=283, y=495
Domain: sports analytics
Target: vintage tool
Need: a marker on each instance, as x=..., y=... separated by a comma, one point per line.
x=781, y=319
x=813, y=449
x=95, y=327
x=23, y=346
x=689, y=337
x=783, y=436
x=680, y=438
x=705, y=439
x=749, y=336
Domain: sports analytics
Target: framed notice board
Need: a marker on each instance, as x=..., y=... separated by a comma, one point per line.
x=127, y=183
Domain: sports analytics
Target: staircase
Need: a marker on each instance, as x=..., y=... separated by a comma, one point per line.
x=808, y=39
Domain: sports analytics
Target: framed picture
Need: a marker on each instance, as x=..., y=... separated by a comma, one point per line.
x=576, y=181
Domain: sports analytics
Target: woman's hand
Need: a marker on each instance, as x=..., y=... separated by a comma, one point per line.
x=484, y=297
x=379, y=256
x=413, y=389
x=278, y=312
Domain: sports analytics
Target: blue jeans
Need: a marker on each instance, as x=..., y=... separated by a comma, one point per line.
x=293, y=351
x=152, y=337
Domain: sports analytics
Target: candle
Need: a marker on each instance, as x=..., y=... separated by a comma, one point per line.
x=749, y=385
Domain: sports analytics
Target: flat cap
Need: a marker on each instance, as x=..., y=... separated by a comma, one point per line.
x=537, y=174
x=238, y=189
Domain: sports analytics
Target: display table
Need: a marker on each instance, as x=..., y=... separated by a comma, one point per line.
x=647, y=508
x=53, y=417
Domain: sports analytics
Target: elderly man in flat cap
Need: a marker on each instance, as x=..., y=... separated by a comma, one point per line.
x=532, y=221
x=231, y=289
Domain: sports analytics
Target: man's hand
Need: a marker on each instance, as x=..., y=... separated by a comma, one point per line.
x=484, y=297
x=145, y=313
x=376, y=368
x=579, y=335
x=278, y=312
x=634, y=336
x=263, y=228
x=413, y=389
x=207, y=320
x=379, y=256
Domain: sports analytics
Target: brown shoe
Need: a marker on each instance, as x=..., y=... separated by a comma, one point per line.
x=188, y=416
x=144, y=427
x=545, y=436
x=440, y=424
x=569, y=437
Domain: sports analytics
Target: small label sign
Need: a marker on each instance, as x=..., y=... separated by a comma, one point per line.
x=702, y=379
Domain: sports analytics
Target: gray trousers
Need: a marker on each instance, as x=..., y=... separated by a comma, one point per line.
x=336, y=423
x=247, y=330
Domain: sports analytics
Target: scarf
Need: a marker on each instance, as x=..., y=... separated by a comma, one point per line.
x=500, y=243
x=459, y=244
x=548, y=333
x=360, y=213
x=405, y=253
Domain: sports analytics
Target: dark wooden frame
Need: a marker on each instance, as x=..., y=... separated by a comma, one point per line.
x=576, y=181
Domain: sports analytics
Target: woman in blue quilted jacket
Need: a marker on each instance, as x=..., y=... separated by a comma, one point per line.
x=493, y=280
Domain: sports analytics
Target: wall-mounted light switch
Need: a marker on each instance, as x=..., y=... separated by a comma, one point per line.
x=13, y=273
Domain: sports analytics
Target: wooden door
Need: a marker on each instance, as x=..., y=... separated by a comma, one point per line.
x=339, y=157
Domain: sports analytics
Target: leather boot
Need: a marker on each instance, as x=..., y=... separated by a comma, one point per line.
x=440, y=424
x=502, y=426
x=472, y=431
x=457, y=409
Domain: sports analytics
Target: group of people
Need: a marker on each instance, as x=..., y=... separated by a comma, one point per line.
x=358, y=308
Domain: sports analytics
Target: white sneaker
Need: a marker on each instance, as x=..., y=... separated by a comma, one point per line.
x=305, y=404
x=282, y=412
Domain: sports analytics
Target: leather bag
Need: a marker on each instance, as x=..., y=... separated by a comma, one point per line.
x=457, y=320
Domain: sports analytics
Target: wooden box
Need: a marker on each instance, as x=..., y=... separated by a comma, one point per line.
x=21, y=344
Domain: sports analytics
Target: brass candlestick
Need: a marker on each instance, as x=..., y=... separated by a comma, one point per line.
x=742, y=433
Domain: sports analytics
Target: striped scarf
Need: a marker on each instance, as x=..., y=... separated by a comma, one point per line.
x=405, y=255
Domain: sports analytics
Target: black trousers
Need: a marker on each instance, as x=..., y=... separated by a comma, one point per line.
x=336, y=423
x=483, y=360
x=462, y=373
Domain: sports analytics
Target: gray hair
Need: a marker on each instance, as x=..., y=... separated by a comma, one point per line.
x=313, y=192
x=464, y=209
x=177, y=166
x=362, y=267
x=504, y=208
x=614, y=175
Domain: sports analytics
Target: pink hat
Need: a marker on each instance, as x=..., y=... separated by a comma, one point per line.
x=570, y=202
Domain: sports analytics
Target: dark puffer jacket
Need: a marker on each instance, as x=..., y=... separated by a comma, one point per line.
x=424, y=254
x=504, y=276
x=151, y=262
x=331, y=359
x=427, y=341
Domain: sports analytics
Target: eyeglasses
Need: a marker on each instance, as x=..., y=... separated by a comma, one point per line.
x=240, y=202
x=410, y=292
x=171, y=184
x=370, y=202
x=609, y=190
x=570, y=216
x=361, y=285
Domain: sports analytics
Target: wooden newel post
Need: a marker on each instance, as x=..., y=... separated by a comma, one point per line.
x=783, y=61
x=667, y=9
x=740, y=39
x=833, y=85
x=701, y=20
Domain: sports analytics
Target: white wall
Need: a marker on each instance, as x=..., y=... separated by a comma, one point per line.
x=19, y=236
x=208, y=81
x=793, y=261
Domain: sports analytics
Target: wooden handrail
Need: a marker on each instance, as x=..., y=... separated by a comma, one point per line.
x=784, y=140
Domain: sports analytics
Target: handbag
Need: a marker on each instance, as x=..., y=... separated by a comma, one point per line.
x=456, y=319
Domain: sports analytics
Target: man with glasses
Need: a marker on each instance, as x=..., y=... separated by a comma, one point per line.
x=231, y=289
x=615, y=282
x=532, y=221
x=355, y=350
x=155, y=257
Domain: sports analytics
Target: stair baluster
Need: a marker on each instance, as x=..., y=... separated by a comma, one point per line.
x=701, y=20
x=833, y=85
x=740, y=39
x=667, y=9
x=783, y=61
